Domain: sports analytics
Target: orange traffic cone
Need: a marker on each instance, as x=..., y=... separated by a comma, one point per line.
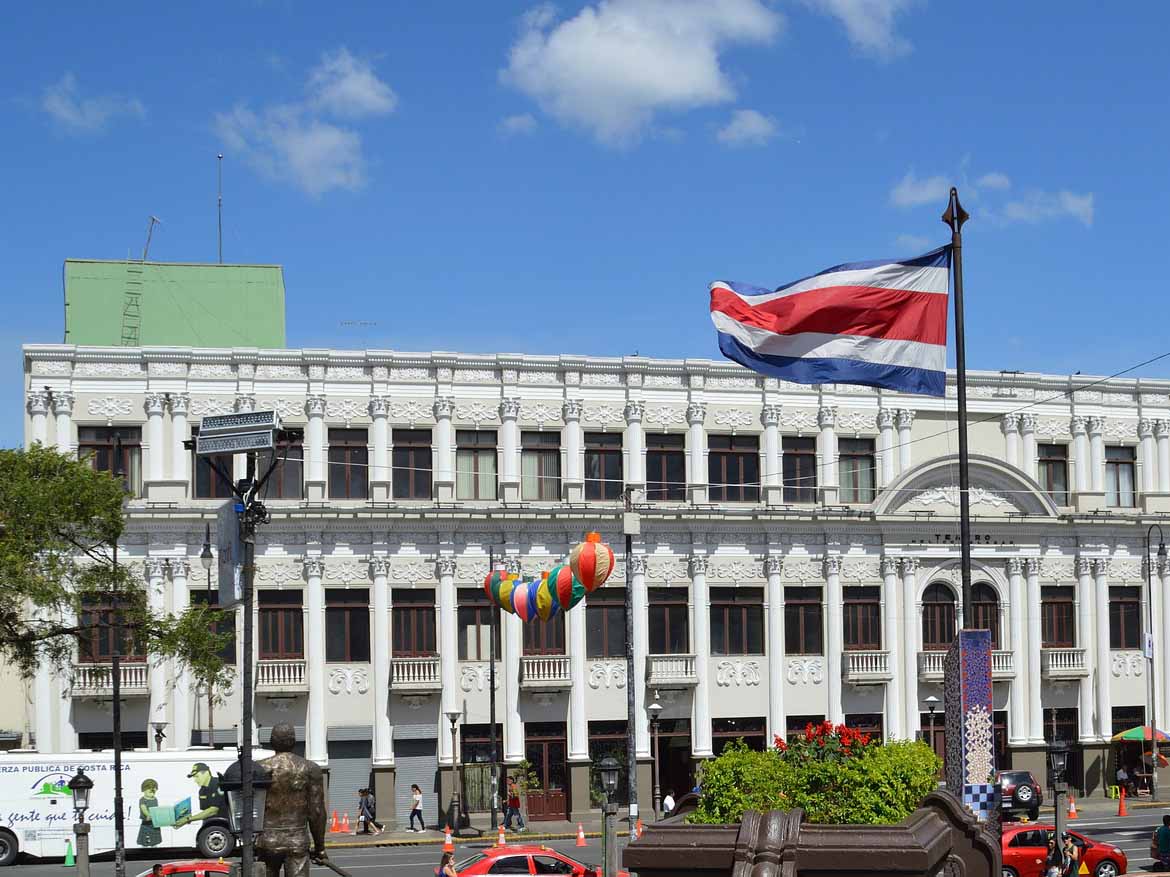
x=581, y=836
x=1121, y=811
x=638, y=828
x=334, y=827
x=501, y=841
x=1072, y=806
x=345, y=823
x=448, y=843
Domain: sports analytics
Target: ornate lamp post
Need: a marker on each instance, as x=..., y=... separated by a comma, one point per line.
x=232, y=785
x=655, y=710
x=931, y=705
x=159, y=735
x=1057, y=768
x=206, y=560
x=453, y=816
x=609, y=779
x=80, y=785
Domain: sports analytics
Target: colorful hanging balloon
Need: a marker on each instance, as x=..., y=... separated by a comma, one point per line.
x=520, y=601
x=506, y=592
x=567, y=586
x=546, y=600
x=592, y=562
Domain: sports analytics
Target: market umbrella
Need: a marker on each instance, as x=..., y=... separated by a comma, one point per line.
x=1142, y=732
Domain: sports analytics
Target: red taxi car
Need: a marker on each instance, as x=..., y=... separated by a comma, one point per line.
x=193, y=868
x=525, y=860
x=1025, y=847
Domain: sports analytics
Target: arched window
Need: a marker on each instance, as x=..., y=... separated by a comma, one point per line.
x=938, y=617
x=985, y=608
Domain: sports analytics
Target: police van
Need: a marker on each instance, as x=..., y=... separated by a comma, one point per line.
x=170, y=799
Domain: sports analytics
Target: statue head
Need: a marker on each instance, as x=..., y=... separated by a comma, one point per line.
x=284, y=737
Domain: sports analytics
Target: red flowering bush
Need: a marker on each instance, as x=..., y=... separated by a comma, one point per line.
x=824, y=742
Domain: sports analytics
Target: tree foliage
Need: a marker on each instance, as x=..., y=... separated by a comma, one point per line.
x=837, y=775
x=59, y=521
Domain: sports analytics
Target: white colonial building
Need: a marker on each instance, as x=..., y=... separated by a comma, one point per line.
x=798, y=555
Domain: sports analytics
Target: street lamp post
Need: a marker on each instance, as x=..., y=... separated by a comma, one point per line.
x=1148, y=649
x=931, y=706
x=232, y=785
x=609, y=780
x=80, y=786
x=206, y=560
x=453, y=816
x=116, y=694
x=655, y=710
x=1058, y=767
x=159, y=734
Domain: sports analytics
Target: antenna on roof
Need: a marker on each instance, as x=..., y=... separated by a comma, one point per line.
x=219, y=201
x=150, y=231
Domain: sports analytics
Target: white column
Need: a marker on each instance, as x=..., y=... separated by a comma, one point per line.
x=639, y=604
x=63, y=409
x=66, y=739
x=155, y=405
x=697, y=486
x=827, y=479
x=905, y=422
x=774, y=567
x=43, y=700
x=578, y=716
x=834, y=637
x=885, y=422
x=635, y=445
x=380, y=472
x=156, y=570
x=1081, y=461
x=773, y=473
x=509, y=450
x=38, y=409
x=1101, y=670
x=448, y=635
x=1035, y=638
x=573, y=485
x=1011, y=439
x=181, y=724
x=911, y=633
x=180, y=405
x=1028, y=444
x=316, y=747
x=895, y=710
x=1149, y=460
x=443, y=408
x=315, y=440
x=1021, y=652
x=1162, y=642
x=1097, y=455
x=1162, y=437
x=513, y=637
x=1084, y=639
x=383, y=729
x=701, y=716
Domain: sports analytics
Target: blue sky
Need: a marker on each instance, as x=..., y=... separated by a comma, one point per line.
x=509, y=176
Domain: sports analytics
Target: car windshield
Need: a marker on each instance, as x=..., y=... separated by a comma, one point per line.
x=1015, y=776
x=469, y=861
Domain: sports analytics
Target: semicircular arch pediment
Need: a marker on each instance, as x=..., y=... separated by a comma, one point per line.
x=997, y=489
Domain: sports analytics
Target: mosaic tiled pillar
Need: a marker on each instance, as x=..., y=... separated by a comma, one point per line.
x=969, y=722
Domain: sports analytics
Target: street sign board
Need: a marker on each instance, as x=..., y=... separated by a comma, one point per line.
x=234, y=442
x=231, y=555
x=243, y=422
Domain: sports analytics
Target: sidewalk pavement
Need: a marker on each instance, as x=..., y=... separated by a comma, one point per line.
x=480, y=833
x=1098, y=807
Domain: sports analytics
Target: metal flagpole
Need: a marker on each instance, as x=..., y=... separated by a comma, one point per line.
x=495, y=617
x=954, y=217
x=630, y=527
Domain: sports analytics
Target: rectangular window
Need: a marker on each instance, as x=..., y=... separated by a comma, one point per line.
x=1119, y=477
x=210, y=483
x=803, y=621
x=867, y=723
x=282, y=634
x=540, y=466
x=1125, y=618
x=857, y=466
x=733, y=468
x=347, y=624
x=102, y=632
x=737, y=621
x=603, y=465
x=475, y=464
x=752, y=731
x=288, y=477
x=863, y=618
x=227, y=624
x=349, y=459
x=1052, y=469
x=1127, y=717
x=545, y=637
x=474, y=620
x=666, y=467
x=100, y=445
x=411, y=461
x=605, y=623
x=1058, y=625
x=800, y=469
x=412, y=623
x=669, y=621
x=797, y=726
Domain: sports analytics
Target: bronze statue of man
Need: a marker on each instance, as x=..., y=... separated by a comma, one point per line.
x=294, y=812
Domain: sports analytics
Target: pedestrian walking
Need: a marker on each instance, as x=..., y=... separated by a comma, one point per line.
x=513, y=808
x=416, y=801
x=1054, y=860
x=1071, y=855
x=367, y=812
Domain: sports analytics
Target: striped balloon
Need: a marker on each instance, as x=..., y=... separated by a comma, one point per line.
x=592, y=562
x=546, y=601
x=504, y=595
x=491, y=585
x=520, y=601
x=568, y=587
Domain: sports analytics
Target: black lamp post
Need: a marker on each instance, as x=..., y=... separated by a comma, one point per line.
x=80, y=785
x=1148, y=649
x=931, y=705
x=453, y=816
x=1058, y=771
x=159, y=735
x=232, y=785
x=116, y=693
x=206, y=560
x=609, y=779
x=655, y=710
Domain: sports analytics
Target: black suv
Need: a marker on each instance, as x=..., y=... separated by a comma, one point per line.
x=1019, y=793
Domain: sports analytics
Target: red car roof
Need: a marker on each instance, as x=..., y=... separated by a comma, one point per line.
x=520, y=849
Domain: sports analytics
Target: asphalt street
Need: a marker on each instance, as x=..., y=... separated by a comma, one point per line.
x=1130, y=833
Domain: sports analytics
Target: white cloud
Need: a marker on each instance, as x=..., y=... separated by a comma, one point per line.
x=293, y=142
x=748, y=128
x=616, y=64
x=869, y=24
x=522, y=123
x=911, y=190
x=63, y=102
x=994, y=180
x=1036, y=206
x=344, y=86
x=911, y=242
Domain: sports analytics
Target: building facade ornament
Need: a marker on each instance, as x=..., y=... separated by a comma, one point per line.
x=770, y=415
x=634, y=411
x=63, y=402
x=1015, y=566
x=315, y=406
x=571, y=409
x=736, y=672
x=180, y=567
x=378, y=406
x=832, y=565
x=905, y=418
x=909, y=565
x=805, y=671
x=314, y=567
x=245, y=404
x=696, y=412
x=444, y=407
x=445, y=566
x=180, y=403
x=698, y=564
x=37, y=402
x=156, y=567
x=886, y=418
x=638, y=564
x=379, y=566
x=827, y=417
x=509, y=409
